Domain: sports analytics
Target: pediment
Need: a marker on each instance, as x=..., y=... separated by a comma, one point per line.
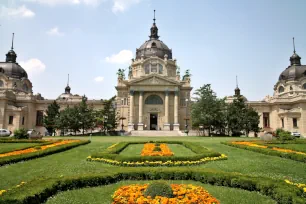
x=154, y=80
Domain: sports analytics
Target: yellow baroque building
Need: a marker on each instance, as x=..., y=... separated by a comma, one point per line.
x=154, y=97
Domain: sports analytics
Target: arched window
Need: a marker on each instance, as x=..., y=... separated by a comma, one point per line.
x=304, y=86
x=281, y=89
x=147, y=69
x=154, y=99
x=25, y=87
x=1, y=83
x=153, y=44
x=160, y=69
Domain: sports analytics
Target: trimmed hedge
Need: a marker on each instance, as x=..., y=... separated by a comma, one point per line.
x=38, y=191
x=42, y=153
x=38, y=144
x=113, y=153
x=269, y=151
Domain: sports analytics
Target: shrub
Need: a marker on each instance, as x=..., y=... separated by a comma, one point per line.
x=284, y=135
x=159, y=188
x=21, y=133
x=157, y=149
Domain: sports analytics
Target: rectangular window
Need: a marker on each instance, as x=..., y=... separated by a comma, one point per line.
x=22, y=120
x=266, y=120
x=11, y=119
x=283, y=125
x=39, y=118
x=294, y=120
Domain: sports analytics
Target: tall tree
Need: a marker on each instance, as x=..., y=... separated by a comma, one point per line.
x=109, y=114
x=207, y=109
x=86, y=115
x=51, y=116
x=241, y=117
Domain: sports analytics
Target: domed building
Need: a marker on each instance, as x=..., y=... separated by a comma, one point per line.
x=286, y=108
x=154, y=95
x=19, y=107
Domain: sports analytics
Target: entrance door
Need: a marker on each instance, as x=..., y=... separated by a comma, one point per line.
x=153, y=121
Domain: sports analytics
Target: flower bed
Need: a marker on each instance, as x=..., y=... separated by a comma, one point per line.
x=149, y=150
x=39, y=190
x=111, y=156
x=299, y=185
x=39, y=151
x=269, y=149
x=134, y=194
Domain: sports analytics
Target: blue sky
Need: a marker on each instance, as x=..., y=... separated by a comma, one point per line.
x=91, y=39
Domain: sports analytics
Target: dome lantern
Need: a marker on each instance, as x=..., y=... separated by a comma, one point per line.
x=11, y=55
x=295, y=59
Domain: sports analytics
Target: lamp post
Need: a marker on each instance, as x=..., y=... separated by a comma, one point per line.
x=105, y=123
x=186, y=118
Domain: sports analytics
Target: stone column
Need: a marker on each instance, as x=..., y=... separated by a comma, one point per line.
x=140, y=121
x=166, y=122
x=131, y=124
x=176, y=125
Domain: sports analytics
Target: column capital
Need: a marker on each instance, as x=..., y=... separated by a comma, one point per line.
x=167, y=92
x=176, y=91
x=140, y=92
x=132, y=92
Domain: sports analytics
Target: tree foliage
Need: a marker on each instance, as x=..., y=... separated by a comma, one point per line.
x=217, y=116
x=51, y=116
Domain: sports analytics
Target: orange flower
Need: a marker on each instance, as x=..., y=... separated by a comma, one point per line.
x=30, y=150
x=190, y=194
x=148, y=150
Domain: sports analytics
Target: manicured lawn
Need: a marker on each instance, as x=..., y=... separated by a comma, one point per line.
x=103, y=194
x=6, y=147
x=177, y=149
x=297, y=147
x=73, y=162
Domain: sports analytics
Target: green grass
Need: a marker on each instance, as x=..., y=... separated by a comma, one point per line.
x=103, y=194
x=296, y=147
x=7, y=147
x=177, y=149
x=73, y=162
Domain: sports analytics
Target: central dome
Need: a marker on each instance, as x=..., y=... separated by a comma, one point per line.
x=154, y=47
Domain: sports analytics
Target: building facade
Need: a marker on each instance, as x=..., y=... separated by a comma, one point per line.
x=153, y=97
x=19, y=107
x=287, y=107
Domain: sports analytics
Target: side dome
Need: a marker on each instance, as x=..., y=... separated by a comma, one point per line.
x=10, y=67
x=296, y=70
x=13, y=70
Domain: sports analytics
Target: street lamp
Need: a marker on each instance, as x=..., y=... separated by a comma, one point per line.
x=105, y=122
x=186, y=118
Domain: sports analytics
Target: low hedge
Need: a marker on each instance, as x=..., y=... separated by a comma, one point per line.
x=39, y=190
x=37, y=144
x=9, y=140
x=113, y=153
x=269, y=151
x=41, y=153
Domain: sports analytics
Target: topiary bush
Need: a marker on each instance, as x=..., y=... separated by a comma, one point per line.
x=21, y=133
x=159, y=188
x=157, y=149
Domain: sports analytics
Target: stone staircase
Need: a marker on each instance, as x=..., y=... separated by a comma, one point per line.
x=154, y=133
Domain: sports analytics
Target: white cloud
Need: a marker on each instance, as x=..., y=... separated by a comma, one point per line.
x=99, y=79
x=20, y=12
x=33, y=66
x=67, y=2
x=123, y=5
x=55, y=32
x=123, y=57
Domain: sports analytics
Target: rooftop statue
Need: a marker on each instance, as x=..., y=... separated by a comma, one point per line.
x=187, y=75
x=121, y=74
